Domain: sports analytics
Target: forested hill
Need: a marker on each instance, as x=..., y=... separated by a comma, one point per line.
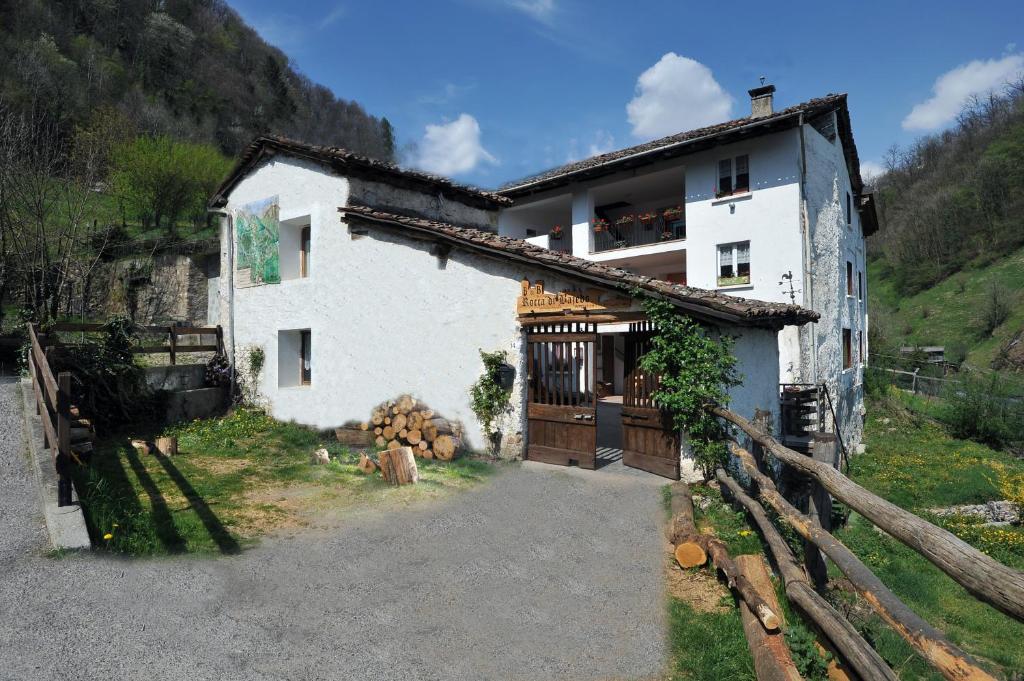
x=946, y=263
x=189, y=69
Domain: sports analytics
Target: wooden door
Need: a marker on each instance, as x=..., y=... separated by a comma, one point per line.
x=562, y=403
x=649, y=441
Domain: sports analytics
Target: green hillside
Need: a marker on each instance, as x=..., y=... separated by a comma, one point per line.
x=950, y=313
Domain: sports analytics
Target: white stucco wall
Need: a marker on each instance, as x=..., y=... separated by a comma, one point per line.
x=833, y=243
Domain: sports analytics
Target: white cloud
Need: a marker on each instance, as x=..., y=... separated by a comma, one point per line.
x=603, y=142
x=677, y=94
x=331, y=17
x=953, y=88
x=870, y=169
x=452, y=148
x=539, y=10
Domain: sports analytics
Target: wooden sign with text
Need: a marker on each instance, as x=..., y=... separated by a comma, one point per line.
x=535, y=299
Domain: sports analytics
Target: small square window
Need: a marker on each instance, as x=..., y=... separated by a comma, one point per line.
x=306, y=358
x=734, y=263
x=847, y=350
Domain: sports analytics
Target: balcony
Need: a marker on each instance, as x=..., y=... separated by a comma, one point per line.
x=643, y=229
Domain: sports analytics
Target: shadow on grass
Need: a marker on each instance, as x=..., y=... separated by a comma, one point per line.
x=220, y=534
x=163, y=523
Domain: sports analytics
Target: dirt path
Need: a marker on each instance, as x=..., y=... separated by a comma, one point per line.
x=539, y=574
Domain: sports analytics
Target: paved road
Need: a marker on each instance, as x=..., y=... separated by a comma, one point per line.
x=542, y=573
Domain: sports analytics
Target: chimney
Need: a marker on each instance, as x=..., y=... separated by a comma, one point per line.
x=761, y=100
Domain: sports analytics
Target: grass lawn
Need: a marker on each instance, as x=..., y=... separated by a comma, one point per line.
x=911, y=461
x=235, y=479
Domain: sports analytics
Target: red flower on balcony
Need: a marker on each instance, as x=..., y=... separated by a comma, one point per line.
x=600, y=225
x=556, y=232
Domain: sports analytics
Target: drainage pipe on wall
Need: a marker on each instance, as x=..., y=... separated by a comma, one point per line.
x=227, y=235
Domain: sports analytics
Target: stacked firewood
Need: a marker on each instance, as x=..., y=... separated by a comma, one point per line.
x=406, y=422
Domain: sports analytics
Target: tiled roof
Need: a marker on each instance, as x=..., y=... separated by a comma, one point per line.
x=347, y=162
x=694, y=140
x=699, y=301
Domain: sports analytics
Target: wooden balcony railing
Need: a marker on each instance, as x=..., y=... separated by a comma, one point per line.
x=637, y=230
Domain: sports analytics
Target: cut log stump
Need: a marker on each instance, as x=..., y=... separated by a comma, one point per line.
x=398, y=466
x=168, y=446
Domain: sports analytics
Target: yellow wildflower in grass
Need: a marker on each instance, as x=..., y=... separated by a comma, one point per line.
x=108, y=536
x=744, y=533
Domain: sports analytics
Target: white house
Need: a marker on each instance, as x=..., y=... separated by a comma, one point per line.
x=770, y=206
x=346, y=281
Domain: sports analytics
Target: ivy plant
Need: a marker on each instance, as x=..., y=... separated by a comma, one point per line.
x=697, y=368
x=489, y=399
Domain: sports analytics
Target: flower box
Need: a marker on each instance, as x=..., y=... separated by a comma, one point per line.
x=600, y=225
x=625, y=220
x=555, y=233
x=734, y=281
x=672, y=213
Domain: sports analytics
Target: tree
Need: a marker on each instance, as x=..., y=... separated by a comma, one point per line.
x=49, y=212
x=161, y=180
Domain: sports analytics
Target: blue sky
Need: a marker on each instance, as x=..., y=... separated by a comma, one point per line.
x=488, y=91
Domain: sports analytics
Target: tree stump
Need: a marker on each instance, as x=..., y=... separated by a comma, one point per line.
x=168, y=446
x=398, y=466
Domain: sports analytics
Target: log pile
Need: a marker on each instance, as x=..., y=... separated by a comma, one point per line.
x=406, y=422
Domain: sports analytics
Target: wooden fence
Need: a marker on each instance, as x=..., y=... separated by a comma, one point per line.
x=985, y=578
x=66, y=431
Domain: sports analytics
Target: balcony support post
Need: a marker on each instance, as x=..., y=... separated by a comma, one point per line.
x=582, y=213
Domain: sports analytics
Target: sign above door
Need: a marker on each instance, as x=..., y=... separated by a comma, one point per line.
x=535, y=299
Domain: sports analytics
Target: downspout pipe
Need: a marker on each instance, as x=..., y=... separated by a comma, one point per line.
x=228, y=232
x=805, y=229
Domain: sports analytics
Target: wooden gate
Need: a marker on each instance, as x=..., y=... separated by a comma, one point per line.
x=562, y=406
x=649, y=441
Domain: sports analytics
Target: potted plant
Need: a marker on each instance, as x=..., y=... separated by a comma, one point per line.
x=625, y=220
x=600, y=225
x=672, y=213
x=556, y=233
x=647, y=219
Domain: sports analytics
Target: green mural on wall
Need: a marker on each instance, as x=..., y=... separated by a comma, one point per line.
x=257, y=230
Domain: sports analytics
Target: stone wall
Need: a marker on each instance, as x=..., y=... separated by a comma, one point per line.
x=154, y=290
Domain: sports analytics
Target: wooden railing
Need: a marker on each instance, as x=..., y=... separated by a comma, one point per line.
x=173, y=348
x=53, y=404
x=981, y=575
x=53, y=393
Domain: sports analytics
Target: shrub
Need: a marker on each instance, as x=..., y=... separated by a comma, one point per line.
x=696, y=369
x=489, y=399
x=996, y=309
x=984, y=409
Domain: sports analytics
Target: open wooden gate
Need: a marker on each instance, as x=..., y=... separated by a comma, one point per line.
x=562, y=404
x=649, y=441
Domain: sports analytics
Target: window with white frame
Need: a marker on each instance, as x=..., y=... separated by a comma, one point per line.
x=847, y=350
x=734, y=263
x=295, y=248
x=733, y=176
x=849, y=279
x=849, y=210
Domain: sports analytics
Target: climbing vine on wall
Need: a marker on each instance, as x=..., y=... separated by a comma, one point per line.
x=489, y=398
x=697, y=368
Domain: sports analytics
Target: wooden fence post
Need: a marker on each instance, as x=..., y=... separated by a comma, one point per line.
x=63, y=459
x=173, y=341
x=819, y=508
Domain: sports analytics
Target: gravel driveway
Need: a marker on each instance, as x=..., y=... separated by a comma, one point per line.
x=540, y=573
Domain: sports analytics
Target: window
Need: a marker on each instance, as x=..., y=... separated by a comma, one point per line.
x=860, y=347
x=849, y=215
x=733, y=176
x=847, y=350
x=306, y=354
x=294, y=358
x=530, y=233
x=293, y=246
x=860, y=285
x=734, y=263
x=304, y=247
x=849, y=279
